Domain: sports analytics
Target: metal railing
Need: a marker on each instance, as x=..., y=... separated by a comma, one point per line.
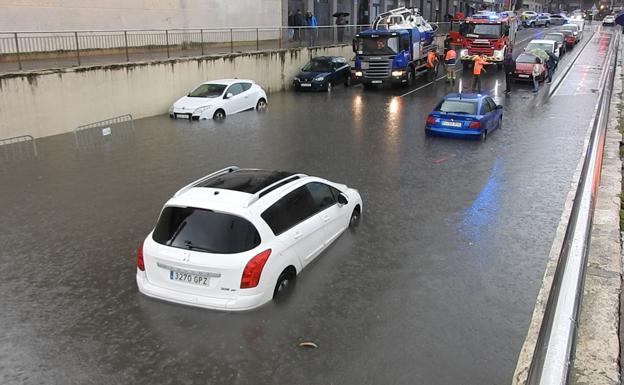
x=116, y=129
x=18, y=148
x=42, y=50
x=555, y=343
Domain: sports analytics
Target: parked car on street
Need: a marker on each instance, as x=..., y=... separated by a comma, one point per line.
x=608, y=20
x=322, y=73
x=218, y=98
x=237, y=238
x=545, y=45
x=465, y=115
x=524, y=67
x=558, y=19
x=559, y=38
x=570, y=40
x=576, y=30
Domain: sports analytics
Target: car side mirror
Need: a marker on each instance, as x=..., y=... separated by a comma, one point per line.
x=499, y=106
x=342, y=199
x=228, y=95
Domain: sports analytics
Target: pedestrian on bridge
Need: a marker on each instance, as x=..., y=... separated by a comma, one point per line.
x=477, y=70
x=450, y=60
x=509, y=65
x=312, y=28
x=298, y=23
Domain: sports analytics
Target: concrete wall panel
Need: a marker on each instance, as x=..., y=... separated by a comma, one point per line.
x=53, y=102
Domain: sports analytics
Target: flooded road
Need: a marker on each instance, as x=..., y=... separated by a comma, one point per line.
x=436, y=286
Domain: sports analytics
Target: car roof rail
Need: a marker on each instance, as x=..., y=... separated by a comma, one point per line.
x=215, y=174
x=254, y=198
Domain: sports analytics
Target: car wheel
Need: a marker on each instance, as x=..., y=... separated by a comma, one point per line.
x=285, y=283
x=347, y=81
x=219, y=115
x=500, y=122
x=547, y=24
x=354, y=221
x=483, y=135
x=329, y=86
x=261, y=105
x=532, y=25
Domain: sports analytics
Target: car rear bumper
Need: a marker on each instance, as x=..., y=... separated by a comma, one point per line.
x=452, y=132
x=234, y=303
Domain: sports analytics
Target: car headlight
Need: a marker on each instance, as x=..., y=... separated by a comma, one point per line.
x=201, y=110
x=463, y=52
x=297, y=79
x=397, y=73
x=319, y=78
x=498, y=54
x=358, y=73
x=575, y=33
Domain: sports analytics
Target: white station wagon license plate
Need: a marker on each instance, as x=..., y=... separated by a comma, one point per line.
x=189, y=278
x=523, y=76
x=451, y=124
x=182, y=116
x=306, y=85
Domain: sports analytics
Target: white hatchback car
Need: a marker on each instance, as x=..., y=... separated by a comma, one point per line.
x=218, y=98
x=237, y=238
x=546, y=45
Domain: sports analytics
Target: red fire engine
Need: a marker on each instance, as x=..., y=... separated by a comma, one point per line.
x=486, y=33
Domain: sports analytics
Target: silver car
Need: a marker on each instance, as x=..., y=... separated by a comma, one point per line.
x=558, y=20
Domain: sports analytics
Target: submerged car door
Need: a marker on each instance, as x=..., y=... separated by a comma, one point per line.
x=295, y=221
x=236, y=102
x=486, y=113
x=494, y=113
x=249, y=96
x=334, y=216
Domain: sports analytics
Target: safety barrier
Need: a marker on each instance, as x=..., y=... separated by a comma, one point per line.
x=18, y=148
x=41, y=50
x=119, y=129
x=555, y=343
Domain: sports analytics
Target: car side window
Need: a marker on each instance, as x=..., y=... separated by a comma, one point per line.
x=235, y=89
x=404, y=42
x=491, y=103
x=246, y=86
x=294, y=208
x=322, y=195
x=485, y=107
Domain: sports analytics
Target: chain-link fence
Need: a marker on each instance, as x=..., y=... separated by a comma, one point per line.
x=44, y=50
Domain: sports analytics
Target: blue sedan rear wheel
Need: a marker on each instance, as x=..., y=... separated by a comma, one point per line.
x=483, y=135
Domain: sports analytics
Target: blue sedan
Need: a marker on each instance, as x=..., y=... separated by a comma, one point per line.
x=322, y=73
x=465, y=115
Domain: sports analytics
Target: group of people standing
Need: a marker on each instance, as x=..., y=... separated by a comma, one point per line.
x=300, y=25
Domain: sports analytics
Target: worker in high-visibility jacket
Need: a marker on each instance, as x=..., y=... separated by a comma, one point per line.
x=432, y=65
x=477, y=70
x=450, y=60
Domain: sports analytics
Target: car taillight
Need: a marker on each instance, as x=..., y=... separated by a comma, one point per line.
x=140, y=264
x=474, y=125
x=430, y=120
x=253, y=270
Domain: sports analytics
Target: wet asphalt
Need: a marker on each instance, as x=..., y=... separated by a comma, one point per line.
x=436, y=286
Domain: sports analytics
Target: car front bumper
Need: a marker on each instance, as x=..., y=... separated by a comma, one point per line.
x=235, y=303
x=310, y=86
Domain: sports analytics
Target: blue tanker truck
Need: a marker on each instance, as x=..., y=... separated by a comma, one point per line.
x=394, y=50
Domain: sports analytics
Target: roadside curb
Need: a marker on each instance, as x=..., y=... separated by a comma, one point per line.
x=596, y=360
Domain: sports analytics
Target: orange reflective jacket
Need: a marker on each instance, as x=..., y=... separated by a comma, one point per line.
x=478, y=65
x=431, y=57
x=450, y=55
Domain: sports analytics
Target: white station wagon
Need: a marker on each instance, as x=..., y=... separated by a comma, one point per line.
x=237, y=238
x=218, y=98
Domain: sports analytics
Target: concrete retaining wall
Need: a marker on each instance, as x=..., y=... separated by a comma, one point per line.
x=56, y=101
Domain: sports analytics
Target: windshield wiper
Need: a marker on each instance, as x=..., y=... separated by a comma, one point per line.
x=189, y=245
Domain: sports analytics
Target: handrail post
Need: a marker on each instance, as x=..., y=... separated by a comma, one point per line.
x=281, y=36
x=201, y=34
x=167, y=41
x=77, y=48
x=17, y=50
x=126, y=42
x=231, y=40
x=257, y=40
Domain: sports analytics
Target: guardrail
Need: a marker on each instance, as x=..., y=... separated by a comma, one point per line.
x=555, y=343
x=39, y=50
x=17, y=148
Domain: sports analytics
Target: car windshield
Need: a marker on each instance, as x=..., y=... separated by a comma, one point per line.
x=482, y=30
x=205, y=230
x=524, y=58
x=317, y=66
x=554, y=37
x=543, y=46
x=377, y=45
x=207, y=91
x=458, y=107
